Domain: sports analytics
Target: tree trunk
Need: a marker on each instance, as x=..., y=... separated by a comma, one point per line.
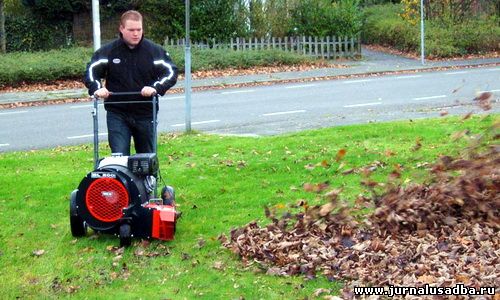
x=3, y=45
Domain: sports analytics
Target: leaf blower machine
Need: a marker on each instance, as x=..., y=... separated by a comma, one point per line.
x=120, y=195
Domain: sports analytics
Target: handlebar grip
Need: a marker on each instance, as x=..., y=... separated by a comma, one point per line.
x=125, y=93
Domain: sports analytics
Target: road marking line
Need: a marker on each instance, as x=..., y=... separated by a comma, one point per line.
x=284, y=113
x=357, y=81
x=85, y=106
x=408, y=77
x=430, y=97
x=196, y=123
x=83, y=136
x=363, y=104
x=456, y=73
x=238, y=92
x=4, y=145
x=492, y=70
x=14, y=112
x=299, y=86
x=489, y=91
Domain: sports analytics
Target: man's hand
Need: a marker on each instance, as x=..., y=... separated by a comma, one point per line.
x=102, y=93
x=148, y=91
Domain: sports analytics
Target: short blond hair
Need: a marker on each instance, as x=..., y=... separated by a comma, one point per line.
x=130, y=15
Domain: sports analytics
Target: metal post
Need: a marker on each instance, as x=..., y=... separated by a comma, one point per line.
x=155, y=140
x=155, y=124
x=96, y=133
x=422, y=33
x=96, y=24
x=187, y=72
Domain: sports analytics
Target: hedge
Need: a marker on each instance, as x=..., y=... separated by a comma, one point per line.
x=23, y=67
x=382, y=25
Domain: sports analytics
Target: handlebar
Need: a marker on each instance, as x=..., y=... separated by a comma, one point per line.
x=154, y=101
x=124, y=94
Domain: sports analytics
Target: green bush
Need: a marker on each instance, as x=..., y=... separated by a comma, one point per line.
x=346, y=18
x=26, y=33
x=382, y=25
x=22, y=67
x=324, y=18
x=222, y=59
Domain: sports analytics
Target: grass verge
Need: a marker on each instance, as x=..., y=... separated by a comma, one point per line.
x=221, y=182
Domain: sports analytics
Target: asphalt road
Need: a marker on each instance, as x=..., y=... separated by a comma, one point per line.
x=269, y=110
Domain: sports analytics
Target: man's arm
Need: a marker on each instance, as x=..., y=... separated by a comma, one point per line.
x=96, y=70
x=167, y=74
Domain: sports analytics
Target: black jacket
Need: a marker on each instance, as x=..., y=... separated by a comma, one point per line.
x=129, y=70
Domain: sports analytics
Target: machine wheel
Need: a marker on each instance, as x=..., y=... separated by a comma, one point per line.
x=125, y=235
x=78, y=226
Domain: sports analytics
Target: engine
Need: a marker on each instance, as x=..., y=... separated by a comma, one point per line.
x=118, y=198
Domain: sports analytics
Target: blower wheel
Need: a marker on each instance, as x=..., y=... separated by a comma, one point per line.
x=125, y=235
x=78, y=226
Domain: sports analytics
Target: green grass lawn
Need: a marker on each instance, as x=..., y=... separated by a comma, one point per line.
x=221, y=182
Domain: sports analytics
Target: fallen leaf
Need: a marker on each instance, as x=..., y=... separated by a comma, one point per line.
x=218, y=265
x=309, y=167
x=483, y=96
x=39, y=252
x=427, y=279
x=418, y=144
x=467, y=116
x=320, y=291
x=340, y=154
x=201, y=242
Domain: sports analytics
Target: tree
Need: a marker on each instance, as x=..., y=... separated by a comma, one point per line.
x=213, y=19
x=241, y=15
x=3, y=43
x=258, y=26
x=163, y=18
x=278, y=17
x=312, y=17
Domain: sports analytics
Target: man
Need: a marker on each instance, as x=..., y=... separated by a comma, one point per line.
x=130, y=63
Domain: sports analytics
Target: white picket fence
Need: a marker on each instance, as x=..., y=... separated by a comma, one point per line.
x=329, y=47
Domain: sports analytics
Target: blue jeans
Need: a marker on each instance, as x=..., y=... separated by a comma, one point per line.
x=122, y=127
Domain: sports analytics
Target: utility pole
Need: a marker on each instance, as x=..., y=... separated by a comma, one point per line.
x=422, y=33
x=187, y=72
x=96, y=25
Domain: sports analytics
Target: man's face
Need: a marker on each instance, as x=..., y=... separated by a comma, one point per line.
x=131, y=32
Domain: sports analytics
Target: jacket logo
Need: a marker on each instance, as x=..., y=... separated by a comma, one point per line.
x=116, y=60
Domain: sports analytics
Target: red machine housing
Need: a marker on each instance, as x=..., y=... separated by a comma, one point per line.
x=117, y=198
x=163, y=221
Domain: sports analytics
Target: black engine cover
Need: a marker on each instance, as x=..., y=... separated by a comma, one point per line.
x=143, y=164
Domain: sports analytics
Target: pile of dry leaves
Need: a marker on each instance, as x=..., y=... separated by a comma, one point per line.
x=440, y=233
